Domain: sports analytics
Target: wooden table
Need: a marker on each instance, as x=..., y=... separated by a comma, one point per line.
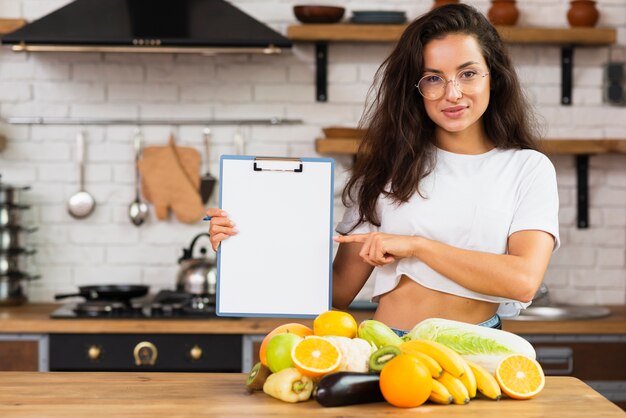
x=31, y=394
x=35, y=318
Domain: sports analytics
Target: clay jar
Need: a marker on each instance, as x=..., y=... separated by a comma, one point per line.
x=438, y=3
x=582, y=13
x=503, y=12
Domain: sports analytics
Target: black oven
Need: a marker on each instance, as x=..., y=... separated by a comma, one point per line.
x=146, y=352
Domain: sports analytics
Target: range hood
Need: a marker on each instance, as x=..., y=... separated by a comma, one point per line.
x=166, y=26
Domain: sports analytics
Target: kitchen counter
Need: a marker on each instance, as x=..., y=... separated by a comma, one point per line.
x=199, y=394
x=35, y=318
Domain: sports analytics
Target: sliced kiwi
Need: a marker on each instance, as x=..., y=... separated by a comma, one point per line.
x=382, y=356
x=257, y=376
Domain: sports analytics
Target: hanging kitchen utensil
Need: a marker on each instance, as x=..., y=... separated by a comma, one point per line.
x=108, y=292
x=138, y=210
x=239, y=143
x=207, y=182
x=81, y=204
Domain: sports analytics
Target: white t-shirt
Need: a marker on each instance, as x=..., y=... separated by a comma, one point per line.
x=473, y=202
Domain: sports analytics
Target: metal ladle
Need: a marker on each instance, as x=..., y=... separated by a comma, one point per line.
x=81, y=204
x=137, y=210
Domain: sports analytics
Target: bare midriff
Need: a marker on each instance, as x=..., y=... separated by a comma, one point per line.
x=409, y=303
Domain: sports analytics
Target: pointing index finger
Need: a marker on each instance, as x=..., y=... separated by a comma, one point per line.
x=351, y=238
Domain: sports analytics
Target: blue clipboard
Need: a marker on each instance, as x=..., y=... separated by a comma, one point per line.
x=280, y=262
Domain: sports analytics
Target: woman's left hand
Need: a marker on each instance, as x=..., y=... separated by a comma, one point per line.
x=379, y=248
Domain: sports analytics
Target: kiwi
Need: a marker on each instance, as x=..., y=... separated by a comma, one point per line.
x=257, y=376
x=382, y=356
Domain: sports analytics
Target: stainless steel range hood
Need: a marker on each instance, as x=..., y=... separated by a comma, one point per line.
x=154, y=26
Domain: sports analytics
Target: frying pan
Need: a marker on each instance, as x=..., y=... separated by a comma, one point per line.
x=108, y=292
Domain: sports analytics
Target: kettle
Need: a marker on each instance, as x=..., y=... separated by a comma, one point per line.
x=197, y=276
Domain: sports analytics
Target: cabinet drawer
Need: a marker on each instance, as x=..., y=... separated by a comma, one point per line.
x=19, y=356
x=146, y=352
x=585, y=360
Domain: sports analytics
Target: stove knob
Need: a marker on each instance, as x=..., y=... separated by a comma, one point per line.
x=145, y=354
x=94, y=352
x=156, y=309
x=136, y=309
x=177, y=309
x=195, y=353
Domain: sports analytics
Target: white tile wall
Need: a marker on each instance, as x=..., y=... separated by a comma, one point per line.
x=590, y=268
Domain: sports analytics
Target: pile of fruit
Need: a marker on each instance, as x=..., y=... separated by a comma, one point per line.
x=441, y=361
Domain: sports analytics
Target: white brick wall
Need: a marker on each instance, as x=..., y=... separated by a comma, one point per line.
x=590, y=267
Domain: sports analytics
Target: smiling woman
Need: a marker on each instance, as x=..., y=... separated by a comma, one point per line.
x=449, y=205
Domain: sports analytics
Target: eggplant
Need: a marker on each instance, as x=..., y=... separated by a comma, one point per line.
x=348, y=388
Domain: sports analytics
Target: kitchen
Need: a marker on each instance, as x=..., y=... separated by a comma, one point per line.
x=106, y=248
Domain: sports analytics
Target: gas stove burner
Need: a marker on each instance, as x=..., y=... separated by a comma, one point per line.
x=105, y=308
x=166, y=304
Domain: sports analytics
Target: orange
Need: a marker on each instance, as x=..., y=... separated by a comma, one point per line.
x=405, y=381
x=315, y=356
x=292, y=327
x=335, y=323
x=519, y=376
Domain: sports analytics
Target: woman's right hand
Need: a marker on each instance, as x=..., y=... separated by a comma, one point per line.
x=221, y=227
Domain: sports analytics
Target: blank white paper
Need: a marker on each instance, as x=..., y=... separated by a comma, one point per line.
x=279, y=264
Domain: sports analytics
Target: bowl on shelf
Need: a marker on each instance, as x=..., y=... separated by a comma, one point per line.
x=318, y=14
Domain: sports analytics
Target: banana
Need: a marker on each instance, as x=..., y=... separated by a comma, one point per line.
x=440, y=394
x=485, y=382
x=469, y=380
x=432, y=365
x=451, y=362
x=459, y=393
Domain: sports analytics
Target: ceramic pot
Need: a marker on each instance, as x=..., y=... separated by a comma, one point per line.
x=438, y=3
x=582, y=13
x=503, y=12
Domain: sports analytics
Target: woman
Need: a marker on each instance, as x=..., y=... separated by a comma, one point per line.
x=449, y=204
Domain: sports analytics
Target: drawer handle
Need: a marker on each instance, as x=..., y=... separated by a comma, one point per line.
x=555, y=356
x=195, y=353
x=94, y=352
x=145, y=354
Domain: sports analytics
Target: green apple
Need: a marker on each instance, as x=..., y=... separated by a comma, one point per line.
x=279, y=351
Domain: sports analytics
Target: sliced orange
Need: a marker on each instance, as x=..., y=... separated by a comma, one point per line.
x=315, y=356
x=519, y=376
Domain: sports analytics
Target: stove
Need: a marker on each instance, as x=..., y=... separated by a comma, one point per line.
x=166, y=304
x=154, y=352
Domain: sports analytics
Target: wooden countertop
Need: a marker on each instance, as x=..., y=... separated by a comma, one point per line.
x=200, y=394
x=35, y=318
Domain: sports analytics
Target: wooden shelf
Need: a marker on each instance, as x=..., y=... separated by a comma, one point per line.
x=581, y=149
x=346, y=32
x=10, y=25
x=566, y=38
x=349, y=146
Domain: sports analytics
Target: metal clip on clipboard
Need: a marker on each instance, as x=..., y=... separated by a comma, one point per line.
x=260, y=160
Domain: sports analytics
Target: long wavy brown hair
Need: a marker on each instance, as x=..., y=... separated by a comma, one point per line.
x=397, y=150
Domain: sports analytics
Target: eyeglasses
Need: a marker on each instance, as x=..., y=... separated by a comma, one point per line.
x=433, y=87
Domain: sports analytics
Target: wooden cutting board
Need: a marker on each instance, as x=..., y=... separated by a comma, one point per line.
x=10, y=25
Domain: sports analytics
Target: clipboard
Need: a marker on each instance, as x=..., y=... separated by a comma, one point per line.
x=280, y=262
